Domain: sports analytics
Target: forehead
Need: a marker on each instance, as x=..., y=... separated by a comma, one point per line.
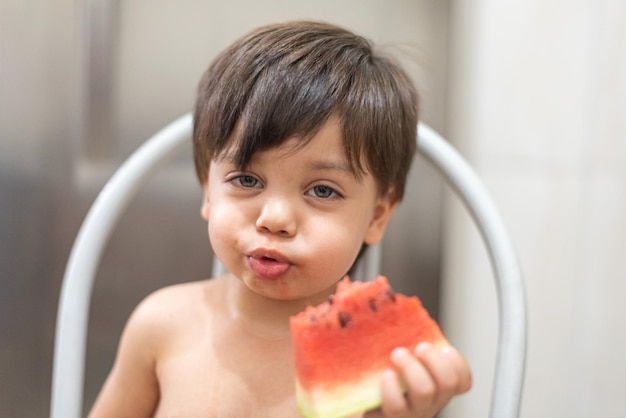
x=323, y=151
x=326, y=140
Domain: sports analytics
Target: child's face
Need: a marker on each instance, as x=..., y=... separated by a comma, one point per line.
x=292, y=223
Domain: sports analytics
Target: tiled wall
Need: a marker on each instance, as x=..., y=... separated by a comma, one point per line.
x=538, y=105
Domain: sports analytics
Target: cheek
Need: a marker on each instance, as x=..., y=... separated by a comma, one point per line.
x=222, y=225
x=336, y=250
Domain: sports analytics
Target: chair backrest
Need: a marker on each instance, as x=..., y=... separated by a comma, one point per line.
x=75, y=298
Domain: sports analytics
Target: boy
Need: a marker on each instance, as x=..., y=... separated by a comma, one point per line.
x=303, y=138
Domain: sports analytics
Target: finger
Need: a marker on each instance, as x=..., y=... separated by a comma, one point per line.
x=374, y=413
x=394, y=404
x=461, y=366
x=448, y=370
x=421, y=389
x=441, y=371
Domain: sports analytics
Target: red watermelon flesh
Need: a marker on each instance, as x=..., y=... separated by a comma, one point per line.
x=342, y=346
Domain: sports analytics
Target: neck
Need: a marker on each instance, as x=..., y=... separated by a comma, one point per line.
x=261, y=316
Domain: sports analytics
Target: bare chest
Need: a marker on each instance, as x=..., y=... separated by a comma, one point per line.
x=228, y=375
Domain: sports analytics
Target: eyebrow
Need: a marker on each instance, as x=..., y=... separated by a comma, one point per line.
x=321, y=165
x=332, y=166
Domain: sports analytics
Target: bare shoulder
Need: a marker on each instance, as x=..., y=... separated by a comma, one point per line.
x=162, y=323
x=174, y=309
x=170, y=299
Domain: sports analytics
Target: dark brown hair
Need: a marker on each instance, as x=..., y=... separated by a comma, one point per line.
x=285, y=80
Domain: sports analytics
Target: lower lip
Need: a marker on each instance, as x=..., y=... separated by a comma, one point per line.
x=267, y=268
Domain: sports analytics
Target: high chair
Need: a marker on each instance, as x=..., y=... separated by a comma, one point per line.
x=73, y=310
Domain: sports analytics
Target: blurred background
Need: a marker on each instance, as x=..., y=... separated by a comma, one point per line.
x=533, y=94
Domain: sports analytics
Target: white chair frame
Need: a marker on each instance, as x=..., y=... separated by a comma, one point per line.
x=75, y=298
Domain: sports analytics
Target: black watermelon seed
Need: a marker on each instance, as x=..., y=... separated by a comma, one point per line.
x=344, y=319
x=372, y=304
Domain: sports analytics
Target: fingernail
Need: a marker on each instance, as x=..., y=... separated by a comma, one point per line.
x=423, y=347
x=448, y=350
x=399, y=353
x=389, y=374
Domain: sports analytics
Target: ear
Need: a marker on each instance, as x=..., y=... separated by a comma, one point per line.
x=204, y=210
x=383, y=209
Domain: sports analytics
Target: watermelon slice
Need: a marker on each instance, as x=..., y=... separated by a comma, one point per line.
x=342, y=346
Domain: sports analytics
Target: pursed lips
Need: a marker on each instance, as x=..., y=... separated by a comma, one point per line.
x=269, y=254
x=268, y=264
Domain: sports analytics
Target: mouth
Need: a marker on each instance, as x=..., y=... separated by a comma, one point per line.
x=268, y=264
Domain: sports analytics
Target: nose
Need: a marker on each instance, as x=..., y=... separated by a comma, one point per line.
x=277, y=217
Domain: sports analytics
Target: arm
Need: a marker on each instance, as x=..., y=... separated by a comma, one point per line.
x=432, y=376
x=132, y=389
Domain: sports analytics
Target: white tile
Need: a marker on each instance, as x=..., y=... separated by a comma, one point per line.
x=605, y=102
x=539, y=106
x=530, y=101
x=543, y=213
x=601, y=310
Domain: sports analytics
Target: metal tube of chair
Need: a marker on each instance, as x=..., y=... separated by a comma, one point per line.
x=373, y=261
x=73, y=310
x=510, y=362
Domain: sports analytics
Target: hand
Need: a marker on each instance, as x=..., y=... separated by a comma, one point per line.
x=432, y=376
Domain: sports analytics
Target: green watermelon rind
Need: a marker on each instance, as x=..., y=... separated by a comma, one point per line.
x=340, y=401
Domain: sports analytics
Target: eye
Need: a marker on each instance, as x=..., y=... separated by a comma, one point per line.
x=246, y=181
x=323, y=192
